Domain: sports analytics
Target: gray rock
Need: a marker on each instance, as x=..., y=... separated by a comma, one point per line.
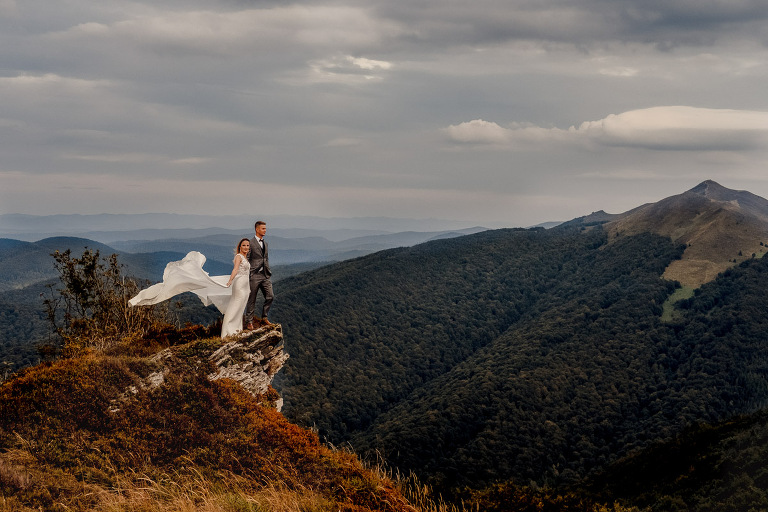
x=250, y=358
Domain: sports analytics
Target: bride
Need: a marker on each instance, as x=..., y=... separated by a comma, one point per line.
x=228, y=295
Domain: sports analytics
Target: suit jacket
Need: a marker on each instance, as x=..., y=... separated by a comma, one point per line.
x=258, y=258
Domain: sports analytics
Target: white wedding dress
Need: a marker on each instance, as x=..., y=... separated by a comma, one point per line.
x=188, y=275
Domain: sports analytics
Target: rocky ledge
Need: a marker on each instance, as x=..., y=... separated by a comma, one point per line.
x=251, y=358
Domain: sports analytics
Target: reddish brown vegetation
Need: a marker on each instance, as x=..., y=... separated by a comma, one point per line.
x=66, y=416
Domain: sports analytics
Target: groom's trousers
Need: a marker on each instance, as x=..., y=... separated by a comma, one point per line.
x=258, y=282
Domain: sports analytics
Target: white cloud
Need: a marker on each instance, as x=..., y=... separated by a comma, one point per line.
x=681, y=128
x=478, y=131
x=347, y=69
x=51, y=81
x=656, y=128
x=369, y=64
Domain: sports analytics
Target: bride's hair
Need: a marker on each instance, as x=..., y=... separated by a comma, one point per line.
x=237, y=249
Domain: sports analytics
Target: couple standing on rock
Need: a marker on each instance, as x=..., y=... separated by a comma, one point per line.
x=251, y=266
x=231, y=294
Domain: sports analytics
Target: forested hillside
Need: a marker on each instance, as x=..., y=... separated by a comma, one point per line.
x=529, y=354
x=367, y=332
x=554, y=398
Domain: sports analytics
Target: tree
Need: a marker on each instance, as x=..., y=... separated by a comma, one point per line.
x=91, y=308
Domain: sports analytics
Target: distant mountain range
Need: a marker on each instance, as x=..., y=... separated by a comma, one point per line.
x=284, y=250
x=108, y=228
x=26, y=263
x=26, y=268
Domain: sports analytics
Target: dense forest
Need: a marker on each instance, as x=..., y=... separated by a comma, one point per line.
x=707, y=468
x=365, y=333
x=526, y=354
x=23, y=326
x=554, y=398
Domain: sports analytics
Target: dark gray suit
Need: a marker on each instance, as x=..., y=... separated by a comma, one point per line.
x=259, y=278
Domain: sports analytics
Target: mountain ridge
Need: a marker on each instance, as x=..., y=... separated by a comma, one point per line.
x=33, y=227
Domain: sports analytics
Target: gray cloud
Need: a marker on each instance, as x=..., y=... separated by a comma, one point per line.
x=510, y=112
x=586, y=23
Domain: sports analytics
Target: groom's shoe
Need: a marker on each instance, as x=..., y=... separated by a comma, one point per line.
x=250, y=326
x=266, y=321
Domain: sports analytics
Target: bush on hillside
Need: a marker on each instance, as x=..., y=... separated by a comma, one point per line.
x=90, y=308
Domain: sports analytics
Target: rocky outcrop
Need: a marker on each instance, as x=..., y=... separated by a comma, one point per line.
x=250, y=358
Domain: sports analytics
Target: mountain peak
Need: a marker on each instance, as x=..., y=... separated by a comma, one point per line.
x=709, y=187
x=719, y=225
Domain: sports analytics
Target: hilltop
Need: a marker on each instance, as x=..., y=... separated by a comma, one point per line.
x=720, y=227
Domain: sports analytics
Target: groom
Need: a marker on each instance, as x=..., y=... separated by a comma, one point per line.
x=258, y=257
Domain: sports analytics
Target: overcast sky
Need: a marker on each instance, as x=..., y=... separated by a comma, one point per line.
x=503, y=112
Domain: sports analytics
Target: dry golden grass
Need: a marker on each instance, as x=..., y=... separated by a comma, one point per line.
x=692, y=272
x=184, y=490
x=191, y=491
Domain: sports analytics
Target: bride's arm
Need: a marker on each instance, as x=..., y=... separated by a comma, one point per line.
x=236, y=264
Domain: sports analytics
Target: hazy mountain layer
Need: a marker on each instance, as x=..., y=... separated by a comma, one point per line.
x=107, y=228
x=291, y=250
